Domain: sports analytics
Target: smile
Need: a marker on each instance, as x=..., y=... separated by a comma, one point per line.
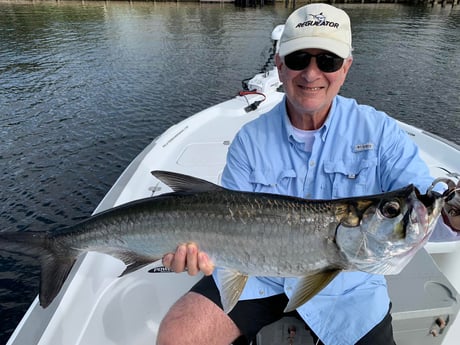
x=312, y=88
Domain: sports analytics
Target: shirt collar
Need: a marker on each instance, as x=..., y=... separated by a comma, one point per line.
x=288, y=126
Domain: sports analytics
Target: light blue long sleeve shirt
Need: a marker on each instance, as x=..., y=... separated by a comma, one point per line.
x=358, y=151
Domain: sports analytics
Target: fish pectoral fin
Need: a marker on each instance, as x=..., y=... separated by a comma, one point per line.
x=132, y=260
x=232, y=285
x=308, y=287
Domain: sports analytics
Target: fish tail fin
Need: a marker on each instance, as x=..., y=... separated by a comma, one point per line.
x=56, y=261
x=54, y=272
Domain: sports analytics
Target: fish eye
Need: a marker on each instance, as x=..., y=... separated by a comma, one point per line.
x=390, y=209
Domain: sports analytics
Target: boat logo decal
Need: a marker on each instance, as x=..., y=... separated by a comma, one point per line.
x=160, y=269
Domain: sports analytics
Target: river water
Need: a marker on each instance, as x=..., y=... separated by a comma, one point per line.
x=85, y=86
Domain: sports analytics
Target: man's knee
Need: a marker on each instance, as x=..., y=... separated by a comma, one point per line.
x=176, y=320
x=194, y=319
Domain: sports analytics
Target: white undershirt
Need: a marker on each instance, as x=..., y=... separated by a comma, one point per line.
x=306, y=137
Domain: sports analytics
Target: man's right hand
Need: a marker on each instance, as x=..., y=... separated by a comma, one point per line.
x=188, y=258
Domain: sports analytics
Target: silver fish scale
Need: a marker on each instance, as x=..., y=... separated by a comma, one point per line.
x=249, y=232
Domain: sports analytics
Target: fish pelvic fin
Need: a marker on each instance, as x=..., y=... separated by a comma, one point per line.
x=232, y=285
x=56, y=260
x=309, y=286
x=133, y=261
x=184, y=183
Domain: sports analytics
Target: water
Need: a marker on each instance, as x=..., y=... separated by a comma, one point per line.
x=86, y=86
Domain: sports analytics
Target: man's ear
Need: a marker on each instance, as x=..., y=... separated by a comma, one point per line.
x=347, y=63
x=278, y=61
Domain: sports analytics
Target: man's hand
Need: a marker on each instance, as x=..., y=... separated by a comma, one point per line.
x=188, y=257
x=451, y=211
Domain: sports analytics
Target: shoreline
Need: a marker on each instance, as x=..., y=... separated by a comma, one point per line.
x=249, y=3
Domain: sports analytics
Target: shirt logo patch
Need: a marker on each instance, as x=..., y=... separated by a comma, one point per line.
x=363, y=147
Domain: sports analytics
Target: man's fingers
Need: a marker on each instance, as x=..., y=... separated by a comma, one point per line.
x=192, y=259
x=167, y=260
x=188, y=257
x=178, y=262
x=204, y=263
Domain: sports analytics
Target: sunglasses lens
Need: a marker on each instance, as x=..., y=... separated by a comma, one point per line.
x=297, y=61
x=327, y=62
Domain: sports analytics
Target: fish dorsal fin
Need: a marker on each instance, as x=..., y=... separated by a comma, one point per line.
x=232, y=285
x=185, y=183
x=309, y=286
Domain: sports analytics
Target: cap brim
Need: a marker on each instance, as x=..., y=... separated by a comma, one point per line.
x=339, y=48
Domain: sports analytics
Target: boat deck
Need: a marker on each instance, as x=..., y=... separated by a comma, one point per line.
x=128, y=310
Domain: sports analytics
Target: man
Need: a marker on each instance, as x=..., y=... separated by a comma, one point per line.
x=314, y=144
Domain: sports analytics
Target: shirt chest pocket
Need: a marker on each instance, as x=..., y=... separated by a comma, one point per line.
x=268, y=181
x=352, y=178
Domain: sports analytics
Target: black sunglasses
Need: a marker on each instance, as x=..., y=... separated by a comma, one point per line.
x=326, y=62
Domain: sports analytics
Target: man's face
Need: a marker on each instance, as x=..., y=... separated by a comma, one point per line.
x=310, y=91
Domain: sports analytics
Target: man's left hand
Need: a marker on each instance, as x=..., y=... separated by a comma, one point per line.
x=451, y=211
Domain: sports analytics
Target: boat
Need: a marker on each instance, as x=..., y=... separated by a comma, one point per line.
x=95, y=306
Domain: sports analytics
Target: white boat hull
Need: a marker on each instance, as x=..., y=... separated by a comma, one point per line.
x=97, y=307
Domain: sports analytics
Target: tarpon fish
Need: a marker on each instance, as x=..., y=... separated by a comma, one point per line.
x=244, y=234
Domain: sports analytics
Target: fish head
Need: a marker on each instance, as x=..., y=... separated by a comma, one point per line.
x=387, y=230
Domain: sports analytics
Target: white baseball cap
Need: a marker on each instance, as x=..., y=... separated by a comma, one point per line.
x=318, y=26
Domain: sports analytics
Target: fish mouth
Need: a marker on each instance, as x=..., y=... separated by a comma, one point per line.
x=419, y=222
x=433, y=203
